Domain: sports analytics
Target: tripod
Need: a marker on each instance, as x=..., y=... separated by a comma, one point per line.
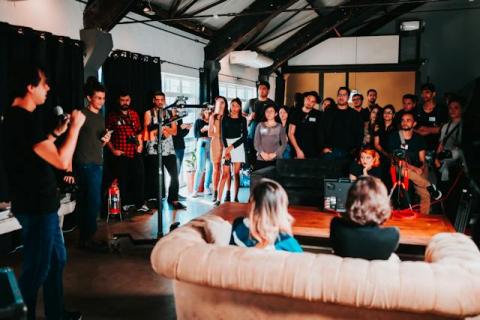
x=400, y=182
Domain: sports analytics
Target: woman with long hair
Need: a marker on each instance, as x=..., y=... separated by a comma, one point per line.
x=216, y=145
x=371, y=126
x=234, y=136
x=202, y=152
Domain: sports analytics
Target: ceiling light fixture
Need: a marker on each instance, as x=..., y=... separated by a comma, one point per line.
x=147, y=9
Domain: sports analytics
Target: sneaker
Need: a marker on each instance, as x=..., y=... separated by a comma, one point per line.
x=236, y=200
x=195, y=194
x=207, y=192
x=178, y=205
x=434, y=192
x=217, y=203
x=215, y=195
x=72, y=315
x=143, y=209
x=127, y=207
x=227, y=197
x=174, y=226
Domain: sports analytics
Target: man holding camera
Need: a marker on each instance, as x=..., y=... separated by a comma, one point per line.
x=126, y=147
x=409, y=148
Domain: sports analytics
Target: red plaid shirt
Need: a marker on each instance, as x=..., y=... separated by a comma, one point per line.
x=124, y=126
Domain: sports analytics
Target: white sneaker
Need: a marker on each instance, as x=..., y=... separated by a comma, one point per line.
x=127, y=207
x=207, y=192
x=143, y=208
x=195, y=194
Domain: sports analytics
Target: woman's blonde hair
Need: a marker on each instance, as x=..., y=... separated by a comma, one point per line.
x=367, y=202
x=268, y=212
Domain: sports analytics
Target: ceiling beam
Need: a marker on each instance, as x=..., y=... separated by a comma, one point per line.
x=184, y=9
x=241, y=28
x=376, y=24
x=205, y=8
x=174, y=7
x=320, y=29
x=105, y=14
x=255, y=41
x=192, y=27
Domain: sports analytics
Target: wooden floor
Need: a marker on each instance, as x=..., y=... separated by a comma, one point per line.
x=312, y=222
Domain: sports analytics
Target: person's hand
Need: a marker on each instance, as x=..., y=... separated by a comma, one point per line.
x=106, y=138
x=117, y=152
x=327, y=150
x=62, y=126
x=186, y=126
x=264, y=156
x=272, y=156
x=300, y=154
x=69, y=178
x=77, y=119
x=437, y=163
x=204, y=128
x=140, y=148
x=229, y=149
x=251, y=116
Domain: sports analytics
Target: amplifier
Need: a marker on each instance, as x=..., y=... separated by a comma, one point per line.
x=336, y=191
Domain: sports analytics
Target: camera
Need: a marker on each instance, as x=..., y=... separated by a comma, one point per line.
x=445, y=154
x=181, y=100
x=399, y=154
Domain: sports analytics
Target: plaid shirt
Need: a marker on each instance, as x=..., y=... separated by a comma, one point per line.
x=124, y=126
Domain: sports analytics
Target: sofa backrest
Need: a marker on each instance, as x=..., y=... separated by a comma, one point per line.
x=447, y=283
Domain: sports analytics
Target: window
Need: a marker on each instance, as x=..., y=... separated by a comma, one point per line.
x=230, y=91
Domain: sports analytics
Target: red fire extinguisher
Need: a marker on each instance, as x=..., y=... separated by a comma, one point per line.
x=114, y=205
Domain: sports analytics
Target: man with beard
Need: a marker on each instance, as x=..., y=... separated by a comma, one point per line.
x=127, y=153
x=357, y=104
x=409, y=104
x=372, y=99
x=305, y=128
x=430, y=117
x=412, y=145
x=254, y=112
x=169, y=159
x=343, y=129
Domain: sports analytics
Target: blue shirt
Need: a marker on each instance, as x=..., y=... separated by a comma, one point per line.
x=241, y=237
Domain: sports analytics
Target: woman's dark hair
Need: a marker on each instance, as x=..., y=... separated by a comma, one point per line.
x=284, y=107
x=238, y=101
x=25, y=74
x=333, y=104
x=390, y=107
x=226, y=105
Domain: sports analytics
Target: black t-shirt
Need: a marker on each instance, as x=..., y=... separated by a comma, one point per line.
x=308, y=131
x=343, y=129
x=257, y=106
x=199, y=124
x=31, y=180
x=412, y=147
x=89, y=149
x=437, y=118
x=357, y=170
x=384, y=134
x=366, y=242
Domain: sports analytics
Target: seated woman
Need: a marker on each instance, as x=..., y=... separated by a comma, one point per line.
x=268, y=225
x=357, y=234
x=367, y=165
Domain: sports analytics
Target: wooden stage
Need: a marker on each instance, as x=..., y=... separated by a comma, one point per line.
x=312, y=223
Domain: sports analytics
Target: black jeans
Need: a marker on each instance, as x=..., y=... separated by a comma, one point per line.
x=130, y=174
x=151, y=179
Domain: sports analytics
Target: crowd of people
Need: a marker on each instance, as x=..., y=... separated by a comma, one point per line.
x=419, y=138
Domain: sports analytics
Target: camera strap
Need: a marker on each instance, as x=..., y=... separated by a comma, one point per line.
x=402, y=138
x=448, y=134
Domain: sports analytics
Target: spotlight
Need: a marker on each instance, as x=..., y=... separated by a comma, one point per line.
x=147, y=9
x=410, y=25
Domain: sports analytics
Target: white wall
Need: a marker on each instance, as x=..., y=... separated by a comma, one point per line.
x=350, y=50
x=65, y=18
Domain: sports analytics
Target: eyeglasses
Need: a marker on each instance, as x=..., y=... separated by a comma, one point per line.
x=387, y=112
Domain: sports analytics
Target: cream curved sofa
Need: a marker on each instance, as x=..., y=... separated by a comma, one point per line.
x=213, y=280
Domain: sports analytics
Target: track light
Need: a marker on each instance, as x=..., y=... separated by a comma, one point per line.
x=147, y=8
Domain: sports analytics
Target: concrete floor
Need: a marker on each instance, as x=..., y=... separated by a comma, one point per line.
x=120, y=284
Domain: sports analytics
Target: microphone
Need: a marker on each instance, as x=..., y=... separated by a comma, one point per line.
x=58, y=112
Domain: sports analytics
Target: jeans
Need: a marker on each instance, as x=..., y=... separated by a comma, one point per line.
x=204, y=164
x=89, y=179
x=44, y=257
x=179, y=153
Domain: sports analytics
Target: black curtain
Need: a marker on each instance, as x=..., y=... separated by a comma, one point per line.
x=62, y=59
x=140, y=75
